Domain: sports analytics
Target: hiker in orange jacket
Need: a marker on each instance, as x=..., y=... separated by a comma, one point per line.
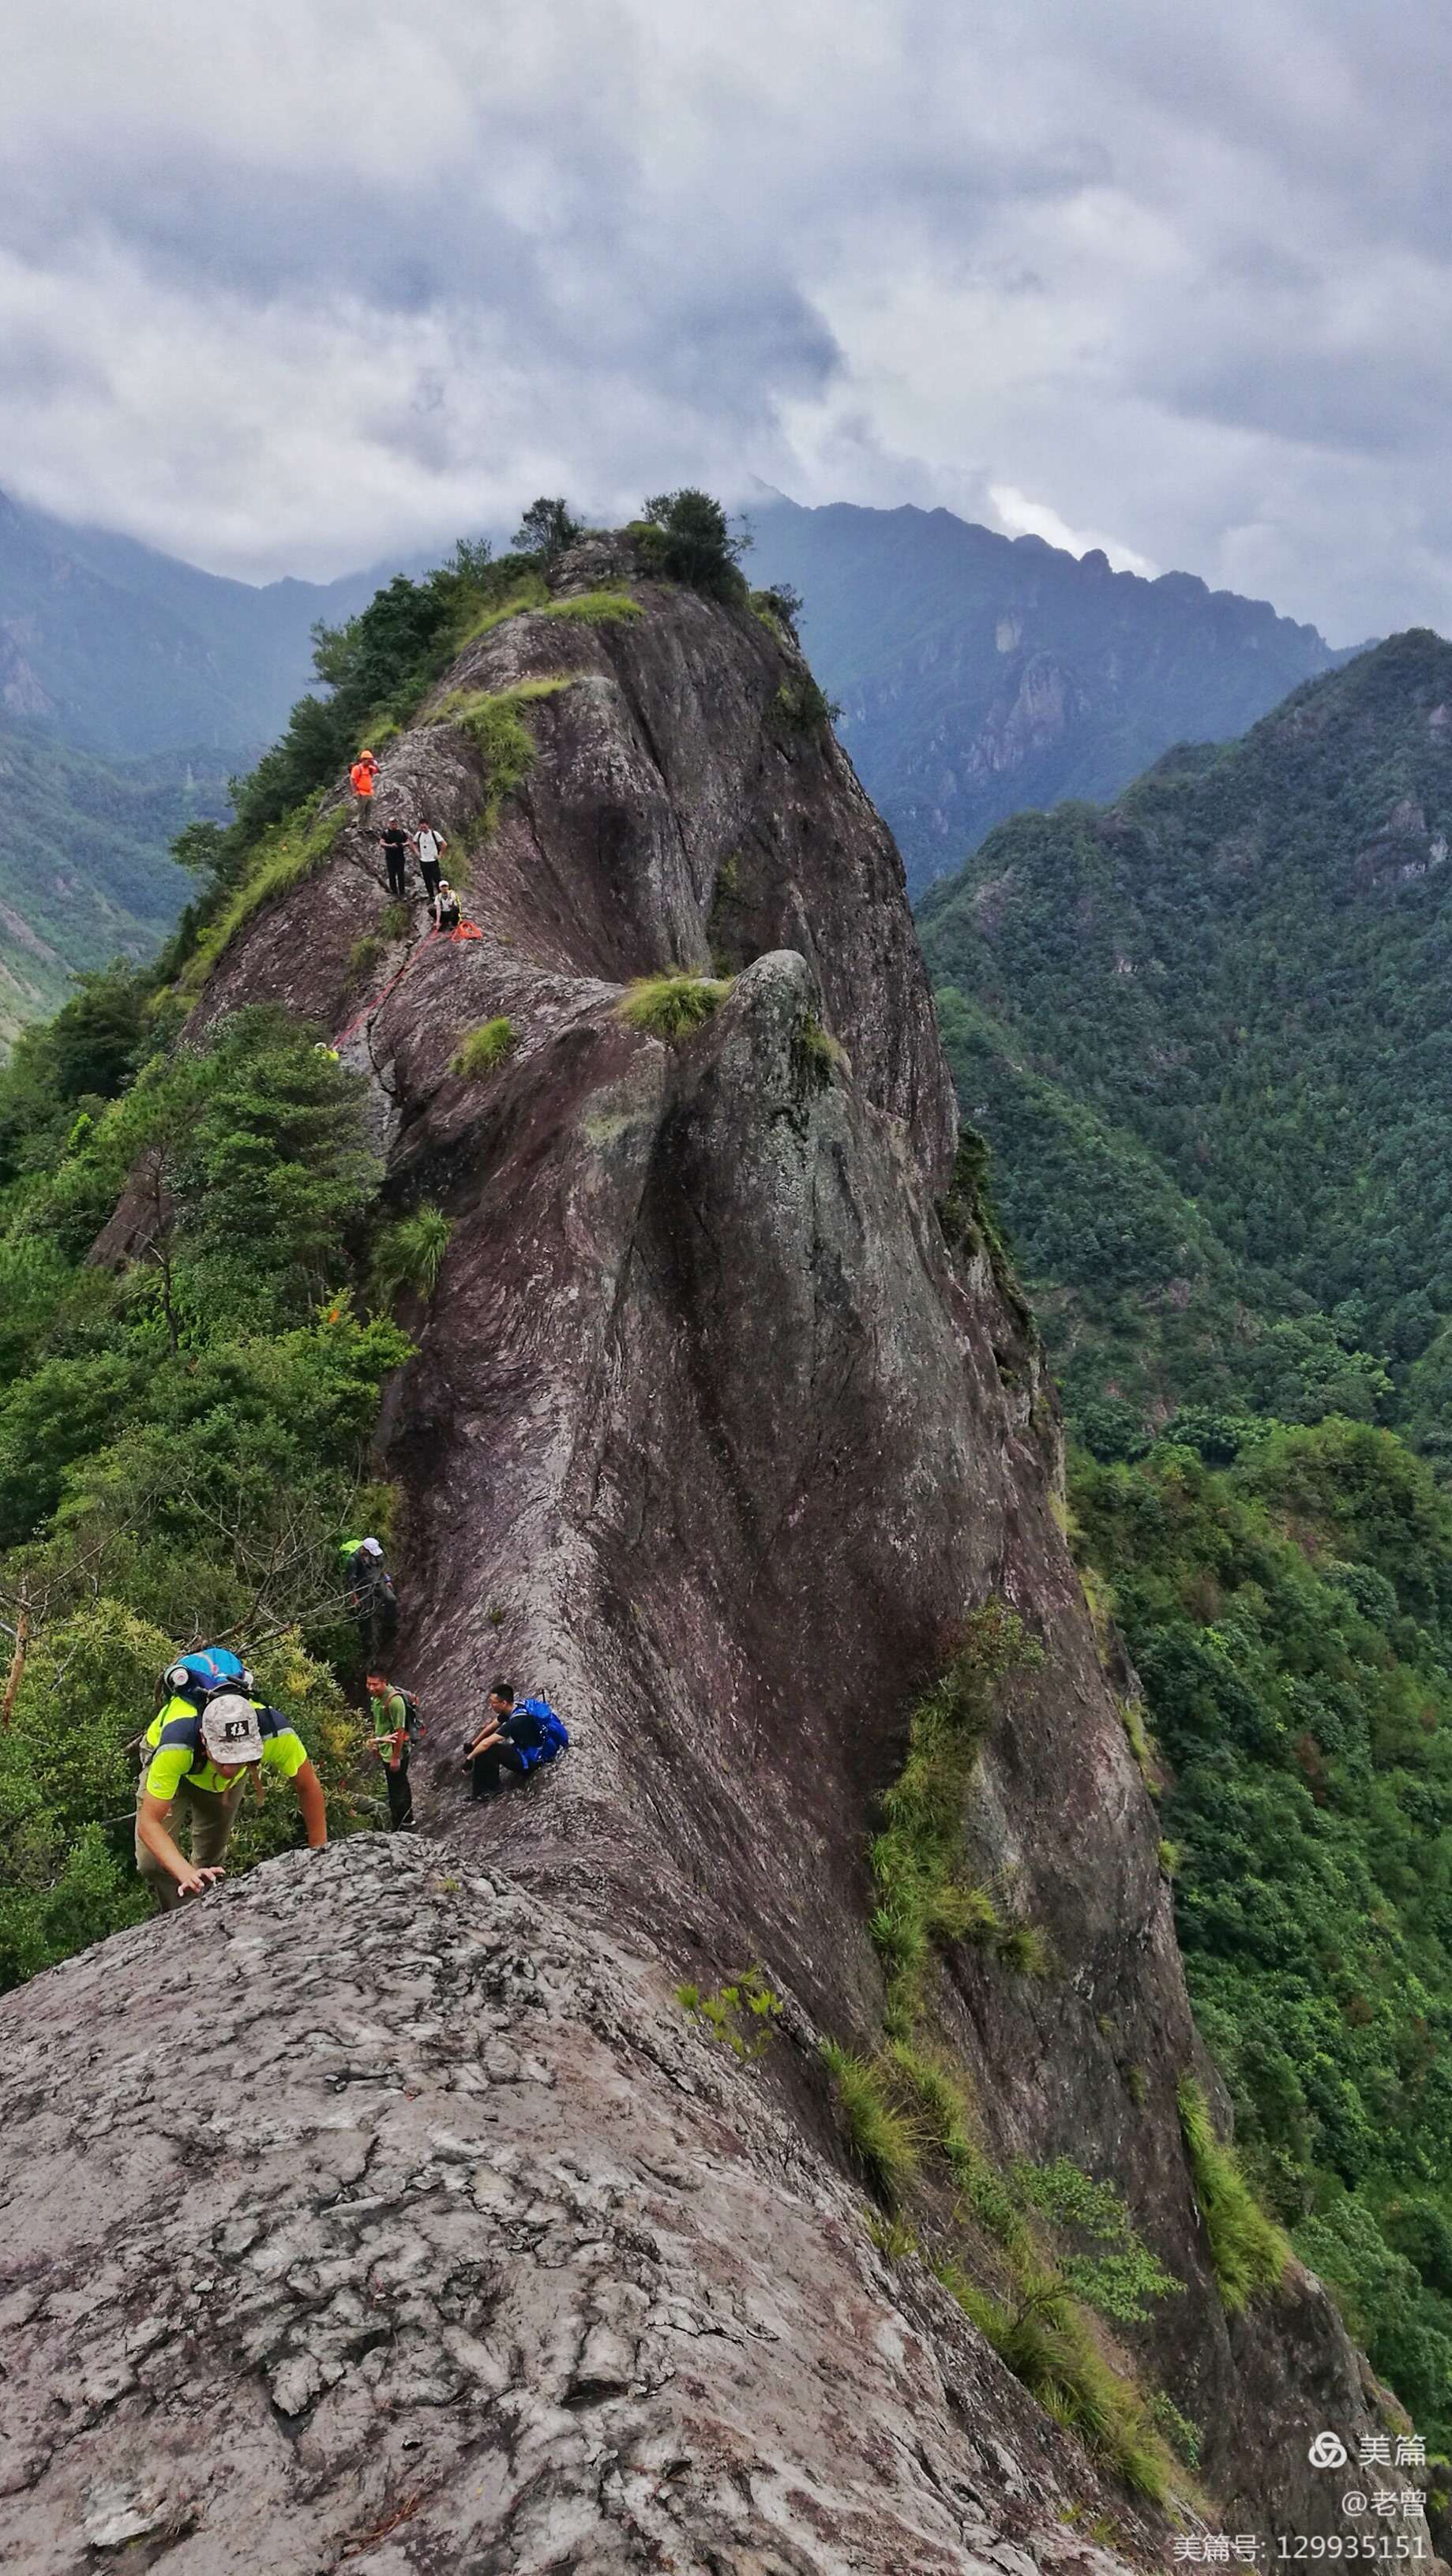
x=363, y=774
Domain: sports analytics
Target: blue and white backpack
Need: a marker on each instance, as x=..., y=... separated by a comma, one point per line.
x=211, y=1668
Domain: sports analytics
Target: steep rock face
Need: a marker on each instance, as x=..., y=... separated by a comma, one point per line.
x=463, y=2255
x=712, y=1437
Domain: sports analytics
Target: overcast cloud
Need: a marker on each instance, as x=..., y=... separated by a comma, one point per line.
x=294, y=284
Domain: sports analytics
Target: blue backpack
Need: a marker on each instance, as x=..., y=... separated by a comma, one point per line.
x=211, y=1668
x=551, y=1726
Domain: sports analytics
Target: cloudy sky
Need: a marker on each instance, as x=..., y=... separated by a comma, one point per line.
x=292, y=284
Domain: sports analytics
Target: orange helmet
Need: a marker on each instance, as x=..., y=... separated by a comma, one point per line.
x=367, y=755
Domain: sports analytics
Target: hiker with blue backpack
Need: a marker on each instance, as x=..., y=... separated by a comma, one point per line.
x=517, y=1736
x=208, y=1733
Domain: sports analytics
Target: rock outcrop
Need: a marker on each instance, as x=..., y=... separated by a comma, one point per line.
x=446, y=2246
x=408, y=2222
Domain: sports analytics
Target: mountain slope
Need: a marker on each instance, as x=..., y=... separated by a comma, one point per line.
x=726, y=1427
x=131, y=687
x=123, y=650
x=85, y=874
x=1243, y=969
x=978, y=673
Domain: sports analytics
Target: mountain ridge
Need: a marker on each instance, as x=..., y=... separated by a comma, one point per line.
x=123, y=652
x=979, y=673
x=84, y=870
x=128, y=650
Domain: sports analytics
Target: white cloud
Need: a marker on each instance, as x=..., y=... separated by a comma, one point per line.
x=1021, y=517
x=291, y=284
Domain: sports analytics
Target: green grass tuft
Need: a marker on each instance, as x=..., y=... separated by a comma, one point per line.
x=824, y=1056
x=1248, y=2252
x=530, y=593
x=745, y=2014
x=893, y=2236
x=944, y=2116
x=292, y=850
x=494, y=724
x=1046, y=2343
x=410, y=1254
x=1131, y=1713
x=958, y=1912
x=881, y=2135
x=915, y=1858
x=598, y=608
x=1023, y=1948
x=672, y=1005
x=484, y=1048
x=363, y=956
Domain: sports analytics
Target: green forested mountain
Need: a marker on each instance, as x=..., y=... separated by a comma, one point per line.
x=1210, y=1032
x=1290, y=1616
x=978, y=673
x=131, y=686
x=85, y=874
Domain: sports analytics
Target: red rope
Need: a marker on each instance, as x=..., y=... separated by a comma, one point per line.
x=371, y=1010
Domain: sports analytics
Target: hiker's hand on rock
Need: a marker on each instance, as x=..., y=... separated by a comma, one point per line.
x=197, y=1881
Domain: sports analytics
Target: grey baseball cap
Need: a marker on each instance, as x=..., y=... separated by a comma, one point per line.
x=230, y=1729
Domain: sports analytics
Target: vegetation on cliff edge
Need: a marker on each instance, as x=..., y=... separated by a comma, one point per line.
x=1290, y=1617
x=181, y=1440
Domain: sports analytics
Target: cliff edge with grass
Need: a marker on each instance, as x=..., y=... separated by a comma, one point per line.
x=776, y=2139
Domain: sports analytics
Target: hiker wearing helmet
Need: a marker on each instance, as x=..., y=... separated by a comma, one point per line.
x=199, y=1750
x=363, y=775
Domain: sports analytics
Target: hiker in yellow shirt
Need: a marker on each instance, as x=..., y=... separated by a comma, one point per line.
x=199, y=1751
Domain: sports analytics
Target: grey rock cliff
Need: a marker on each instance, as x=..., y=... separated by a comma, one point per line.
x=462, y=2254
x=489, y=2262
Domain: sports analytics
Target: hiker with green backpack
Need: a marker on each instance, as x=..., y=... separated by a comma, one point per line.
x=395, y=1722
x=368, y=1591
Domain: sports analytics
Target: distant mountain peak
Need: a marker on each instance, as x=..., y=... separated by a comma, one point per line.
x=980, y=672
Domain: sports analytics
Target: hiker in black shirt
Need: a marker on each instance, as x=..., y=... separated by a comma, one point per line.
x=395, y=852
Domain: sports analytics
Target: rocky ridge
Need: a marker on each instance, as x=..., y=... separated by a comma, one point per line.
x=488, y=2261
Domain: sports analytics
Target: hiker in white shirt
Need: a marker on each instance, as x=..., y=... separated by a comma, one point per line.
x=428, y=845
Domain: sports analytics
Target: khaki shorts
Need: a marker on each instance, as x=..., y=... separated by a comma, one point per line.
x=213, y=1813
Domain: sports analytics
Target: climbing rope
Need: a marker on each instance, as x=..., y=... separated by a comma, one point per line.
x=371, y=1010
